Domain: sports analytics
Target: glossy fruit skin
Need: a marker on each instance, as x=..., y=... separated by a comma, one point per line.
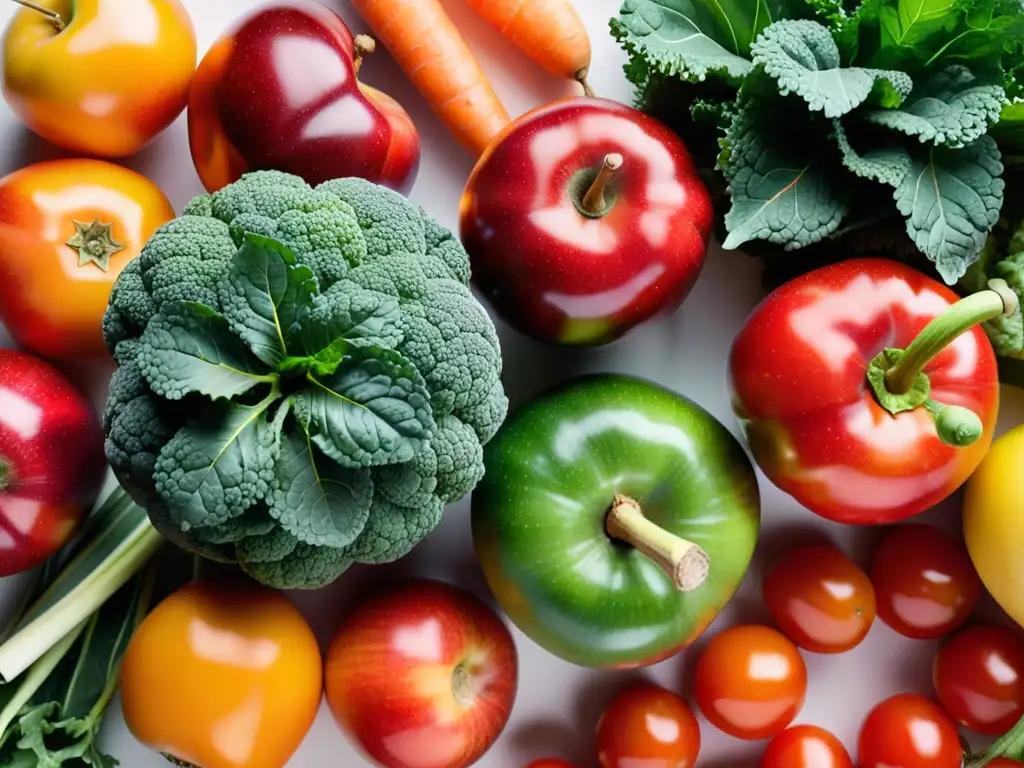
x=979, y=678
x=50, y=302
x=223, y=675
x=51, y=460
x=806, y=746
x=396, y=699
x=647, y=725
x=116, y=76
x=992, y=510
x=925, y=584
x=539, y=514
x=1003, y=762
x=734, y=699
x=279, y=91
x=908, y=731
x=798, y=378
x=820, y=599
x=565, y=278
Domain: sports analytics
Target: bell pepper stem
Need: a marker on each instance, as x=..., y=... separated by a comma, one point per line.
x=686, y=563
x=594, y=202
x=365, y=45
x=53, y=16
x=998, y=301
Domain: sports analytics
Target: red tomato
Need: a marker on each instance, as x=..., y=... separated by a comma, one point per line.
x=820, y=599
x=751, y=682
x=925, y=584
x=979, y=678
x=806, y=746
x=551, y=762
x=1003, y=762
x=649, y=726
x=909, y=731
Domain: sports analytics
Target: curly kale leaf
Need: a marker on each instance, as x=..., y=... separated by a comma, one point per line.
x=951, y=200
x=802, y=57
x=886, y=162
x=952, y=107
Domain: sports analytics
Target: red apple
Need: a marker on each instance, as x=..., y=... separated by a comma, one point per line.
x=422, y=675
x=584, y=219
x=279, y=90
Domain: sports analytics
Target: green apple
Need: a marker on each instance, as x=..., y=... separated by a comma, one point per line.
x=615, y=521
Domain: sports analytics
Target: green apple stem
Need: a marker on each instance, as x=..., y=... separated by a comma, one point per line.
x=52, y=15
x=594, y=202
x=365, y=45
x=686, y=563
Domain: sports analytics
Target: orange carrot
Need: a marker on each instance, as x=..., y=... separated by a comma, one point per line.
x=428, y=47
x=548, y=31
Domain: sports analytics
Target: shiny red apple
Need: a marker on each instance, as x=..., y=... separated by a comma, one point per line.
x=422, y=675
x=280, y=90
x=584, y=219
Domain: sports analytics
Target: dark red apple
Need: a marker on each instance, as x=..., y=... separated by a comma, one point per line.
x=422, y=675
x=584, y=219
x=279, y=90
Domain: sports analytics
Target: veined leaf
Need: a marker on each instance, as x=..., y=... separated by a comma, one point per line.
x=266, y=297
x=374, y=410
x=804, y=59
x=951, y=199
x=909, y=28
x=691, y=39
x=354, y=314
x=188, y=347
x=886, y=162
x=951, y=107
x=317, y=500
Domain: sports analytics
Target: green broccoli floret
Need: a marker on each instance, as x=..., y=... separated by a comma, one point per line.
x=351, y=340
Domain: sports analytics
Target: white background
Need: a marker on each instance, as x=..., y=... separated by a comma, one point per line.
x=558, y=705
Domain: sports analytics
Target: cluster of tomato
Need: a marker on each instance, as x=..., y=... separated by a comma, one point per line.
x=751, y=680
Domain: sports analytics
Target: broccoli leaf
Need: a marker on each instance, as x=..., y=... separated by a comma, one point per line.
x=315, y=499
x=374, y=410
x=267, y=296
x=691, y=39
x=887, y=163
x=355, y=314
x=187, y=347
x=951, y=107
x=951, y=199
x=213, y=470
x=804, y=59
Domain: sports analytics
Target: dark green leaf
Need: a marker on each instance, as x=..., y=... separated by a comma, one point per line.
x=951, y=107
x=803, y=58
x=887, y=162
x=267, y=296
x=354, y=314
x=188, y=347
x=951, y=199
x=909, y=30
x=315, y=499
x=214, y=470
x=374, y=410
x=1009, y=131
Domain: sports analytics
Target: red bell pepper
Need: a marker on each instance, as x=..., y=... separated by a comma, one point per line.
x=867, y=390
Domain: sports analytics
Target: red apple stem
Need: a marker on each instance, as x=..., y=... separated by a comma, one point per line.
x=53, y=16
x=365, y=45
x=593, y=201
x=686, y=563
x=581, y=78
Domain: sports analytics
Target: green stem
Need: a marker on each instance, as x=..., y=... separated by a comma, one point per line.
x=53, y=16
x=5, y=475
x=686, y=563
x=1010, y=744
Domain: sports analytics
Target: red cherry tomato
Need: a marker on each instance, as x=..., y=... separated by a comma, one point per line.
x=751, y=682
x=1003, y=762
x=551, y=762
x=806, y=746
x=925, y=584
x=820, y=598
x=649, y=726
x=909, y=731
x=979, y=678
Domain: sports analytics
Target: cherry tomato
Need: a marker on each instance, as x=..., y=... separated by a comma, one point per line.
x=925, y=584
x=1003, y=762
x=223, y=676
x=806, y=746
x=551, y=762
x=751, y=682
x=909, y=731
x=820, y=599
x=979, y=678
x=649, y=726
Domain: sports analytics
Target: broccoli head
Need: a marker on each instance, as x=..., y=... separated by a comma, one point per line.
x=304, y=380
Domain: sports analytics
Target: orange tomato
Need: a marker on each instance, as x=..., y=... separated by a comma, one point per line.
x=751, y=682
x=223, y=676
x=646, y=725
x=67, y=229
x=115, y=76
